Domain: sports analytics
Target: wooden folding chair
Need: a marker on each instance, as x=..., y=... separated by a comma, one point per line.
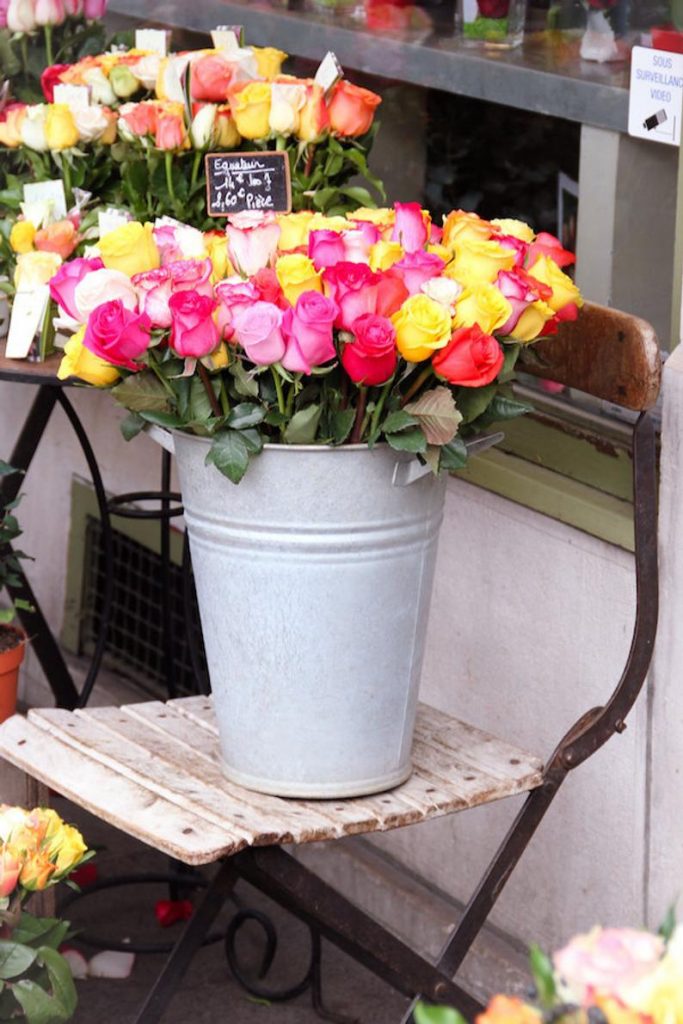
x=153, y=770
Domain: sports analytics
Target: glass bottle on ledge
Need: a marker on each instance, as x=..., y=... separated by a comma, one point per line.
x=491, y=23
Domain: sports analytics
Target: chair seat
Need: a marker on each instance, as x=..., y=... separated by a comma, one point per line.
x=153, y=771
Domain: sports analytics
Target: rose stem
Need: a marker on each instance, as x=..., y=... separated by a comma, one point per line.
x=360, y=413
x=374, y=423
x=47, y=31
x=206, y=381
x=309, y=161
x=168, y=160
x=280, y=395
x=195, y=168
x=417, y=384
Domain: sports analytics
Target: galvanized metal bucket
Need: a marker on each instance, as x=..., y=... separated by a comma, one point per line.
x=313, y=577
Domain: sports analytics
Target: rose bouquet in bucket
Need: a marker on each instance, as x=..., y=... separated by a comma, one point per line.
x=337, y=367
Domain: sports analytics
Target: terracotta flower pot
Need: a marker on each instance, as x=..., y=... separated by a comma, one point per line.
x=12, y=650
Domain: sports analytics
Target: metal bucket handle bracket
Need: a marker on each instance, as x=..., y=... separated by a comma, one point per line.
x=406, y=473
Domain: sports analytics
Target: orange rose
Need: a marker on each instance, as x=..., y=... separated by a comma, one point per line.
x=61, y=238
x=10, y=125
x=352, y=109
x=171, y=132
x=314, y=118
x=509, y=1010
x=460, y=225
x=141, y=118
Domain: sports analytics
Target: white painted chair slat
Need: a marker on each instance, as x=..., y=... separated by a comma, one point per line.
x=112, y=797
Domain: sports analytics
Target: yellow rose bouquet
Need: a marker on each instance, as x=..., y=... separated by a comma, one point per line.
x=37, y=850
x=305, y=329
x=607, y=975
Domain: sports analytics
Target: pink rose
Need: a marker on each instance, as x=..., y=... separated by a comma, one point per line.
x=308, y=332
x=171, y=133
x=233, y=296
x=102, y=286
x=326, y=248
x=4, y=4
x=73, y=7
x=269, y=288
x=63, y=284
x=348, y=277
x=191, y=275
x=410, y=229
x=519, y=247
x=252, y=241
x=154, y=291
x=49, y=12
x=607, y=961
x=547, y=245
x=258, y=329
x=193, y=330
x=117, y=335
x=93, y=9
x=415, y=268
x=370, y=358
x=358, y=241
x=519, y=290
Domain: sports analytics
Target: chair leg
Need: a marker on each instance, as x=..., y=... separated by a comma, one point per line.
x=189, y=942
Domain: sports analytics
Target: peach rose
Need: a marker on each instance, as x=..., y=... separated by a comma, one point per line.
x=352, y=109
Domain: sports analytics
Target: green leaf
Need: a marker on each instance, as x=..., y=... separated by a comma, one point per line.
x=141, y=392
x=245, y=383
x=425, y=1014
x=453, y=455
x=199, y=404
x=341, y=423
x=61, y=979
x=359, y=195
x=408, y=441
x=303, y=425
x=253, y=440
x=7, y=470
x=544, y=978
x=246, y=414
x=397, y=421
x=437, y=415
x=472, y=402
x=162, y=419
x=15, y=958
x=230, y=454
x=668, y=925
x=40, y=931
x=511, y=354
x=275, y=418
x=38, y=1006
x=502, y=408
x=132, y=425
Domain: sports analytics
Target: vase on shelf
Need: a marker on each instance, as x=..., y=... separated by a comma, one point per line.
x=491, y=23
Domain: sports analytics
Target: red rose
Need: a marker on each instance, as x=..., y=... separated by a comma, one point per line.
x=51, y=77
x=117, y=335
x=470, y=358
x=371, y=357
x=494, y=8
x=193, y=330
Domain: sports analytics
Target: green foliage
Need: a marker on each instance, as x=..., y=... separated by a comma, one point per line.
x=36, y=985
x=425, y=1014
x=668, y=925
x=543, y=975
x=23, y=57
x=9, y=558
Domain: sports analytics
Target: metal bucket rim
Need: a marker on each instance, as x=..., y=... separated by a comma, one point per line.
x=296, y=447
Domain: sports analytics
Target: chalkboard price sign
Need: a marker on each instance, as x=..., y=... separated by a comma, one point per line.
x=236, y=182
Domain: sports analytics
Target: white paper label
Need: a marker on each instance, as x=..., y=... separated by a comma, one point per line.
x=329, y=72
x=173, y=79
x=154, y=39
x=110, y=219
x=28, y=311
x=77, y=97
x=50, y=192
x=225, y=39
x=656, y=96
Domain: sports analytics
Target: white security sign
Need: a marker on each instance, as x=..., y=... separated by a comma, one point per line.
x=656, y=97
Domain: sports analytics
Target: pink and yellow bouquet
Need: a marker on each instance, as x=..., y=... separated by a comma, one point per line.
x=37, y=850
x=301, y=329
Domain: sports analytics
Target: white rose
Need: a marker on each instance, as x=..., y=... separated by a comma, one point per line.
x=100, y=89
x=444, y=291
x=202, y=127
x=146, y=70
x=101, y=286
x=91, y=123
x=32, y=129
x=190, y=241
x=285, y=103
x=21, y=16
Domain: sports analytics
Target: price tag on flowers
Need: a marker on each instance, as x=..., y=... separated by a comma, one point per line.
x=236, y=182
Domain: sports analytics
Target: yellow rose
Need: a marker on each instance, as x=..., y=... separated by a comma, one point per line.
x=68, y=847
x=516, y=228
x=483, y=305
x=294, y=229
x=218, y=359
x=478, y=261
x=268, y=61
x=441, y=251
x=217, y=251
x=37, y=871
x=616, y=1013
x=565, y=291
x=422, y=326
x=532, y=321
x=79, y=362
x=60, y=128
x=10, y=128
x=21, y=236
x=297, y=274
x=659, y=995
x=46, y=821
x=226, y=135
x=251, y=110
x=460, y=225
x=384, y=254
x=130, y=248
x=34, y=269
x=382, y=217
x=319, y=222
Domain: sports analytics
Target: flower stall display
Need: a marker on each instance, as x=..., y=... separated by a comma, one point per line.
x=139, y=137
x=612, y=975
x=37, y=850
x=335, y=366
x=497, y=23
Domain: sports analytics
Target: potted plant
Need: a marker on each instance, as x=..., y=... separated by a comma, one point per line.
x=338, y=369
x=12, y=637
